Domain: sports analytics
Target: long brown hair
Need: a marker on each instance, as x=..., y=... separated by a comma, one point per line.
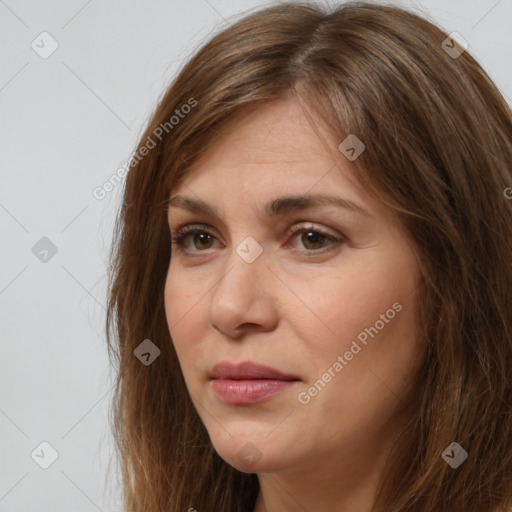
x=438, y=152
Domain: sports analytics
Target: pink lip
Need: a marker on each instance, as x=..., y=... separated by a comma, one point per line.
x=247, y=370
x=248, y=383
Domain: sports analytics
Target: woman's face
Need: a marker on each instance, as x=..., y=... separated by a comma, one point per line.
x=330, y=307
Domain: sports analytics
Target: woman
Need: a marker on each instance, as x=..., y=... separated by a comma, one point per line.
x=310, y=279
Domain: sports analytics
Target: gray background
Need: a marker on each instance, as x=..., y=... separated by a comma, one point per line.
x=68, y=122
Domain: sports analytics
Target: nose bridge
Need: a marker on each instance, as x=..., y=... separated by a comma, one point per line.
x=242, y=296
x=245, y=266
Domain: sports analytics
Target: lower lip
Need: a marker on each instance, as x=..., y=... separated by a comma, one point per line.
x=248, y=391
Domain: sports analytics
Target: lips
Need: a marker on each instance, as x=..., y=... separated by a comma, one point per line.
x=247, y=371
x=248, y=383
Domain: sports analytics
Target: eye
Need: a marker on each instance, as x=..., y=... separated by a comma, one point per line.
x=313, y=239
x=183, y=233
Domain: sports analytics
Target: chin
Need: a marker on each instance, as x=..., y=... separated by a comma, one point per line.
x=250, y=454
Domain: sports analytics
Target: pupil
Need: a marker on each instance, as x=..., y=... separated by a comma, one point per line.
x=202, y=237
x=312, y=237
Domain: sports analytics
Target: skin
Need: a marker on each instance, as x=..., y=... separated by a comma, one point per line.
x=294, y=310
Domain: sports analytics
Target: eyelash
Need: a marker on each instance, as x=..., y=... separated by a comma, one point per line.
x=182, y=232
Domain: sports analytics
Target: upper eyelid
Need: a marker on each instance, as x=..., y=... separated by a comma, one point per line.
x=182, y=231
x=201, y=226
x=313, y=227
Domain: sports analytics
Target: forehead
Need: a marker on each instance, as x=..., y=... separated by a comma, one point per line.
x=271, y=147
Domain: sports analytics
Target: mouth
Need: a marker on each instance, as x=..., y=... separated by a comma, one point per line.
x=248, y=383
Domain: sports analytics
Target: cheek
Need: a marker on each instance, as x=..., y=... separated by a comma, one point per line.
x=369, y=313
x=181, y=297
x=181, y=310
x=171, y=302
x=338, y=307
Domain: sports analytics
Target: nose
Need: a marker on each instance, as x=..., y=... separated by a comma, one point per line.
x=243, y=300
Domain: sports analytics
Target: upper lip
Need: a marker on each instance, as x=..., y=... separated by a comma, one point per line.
x=247, y=371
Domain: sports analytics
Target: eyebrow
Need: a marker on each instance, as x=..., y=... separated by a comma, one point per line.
x=279, y=206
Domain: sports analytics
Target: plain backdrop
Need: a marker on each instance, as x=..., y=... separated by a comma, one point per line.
x=68, y=121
